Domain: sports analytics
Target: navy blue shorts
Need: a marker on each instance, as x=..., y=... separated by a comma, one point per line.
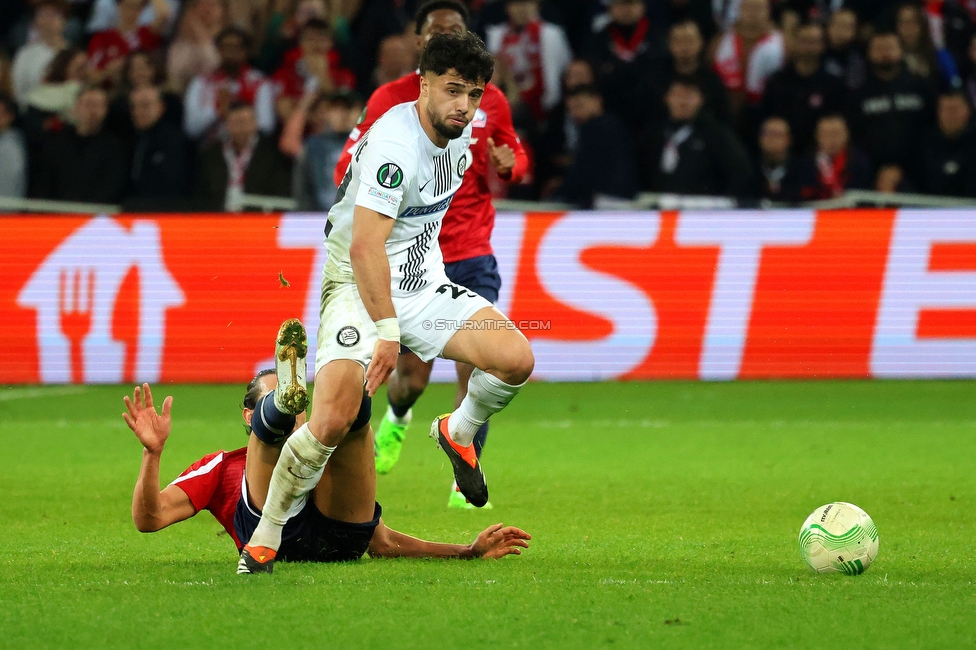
x=480, y=274
x=310, y=536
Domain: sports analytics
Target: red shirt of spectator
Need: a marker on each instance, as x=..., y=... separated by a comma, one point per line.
x=243, y=86
x=112, y=45
x=466, y=231
x=214, y=483
x=315, y=48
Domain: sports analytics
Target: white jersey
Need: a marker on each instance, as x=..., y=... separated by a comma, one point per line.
x=397, y=171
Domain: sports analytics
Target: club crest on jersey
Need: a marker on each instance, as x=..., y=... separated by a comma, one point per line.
x=348, y=336
x=462, y=164
x=389, y=175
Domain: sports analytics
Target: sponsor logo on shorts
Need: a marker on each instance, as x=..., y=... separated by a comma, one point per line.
x=383, y=196
x=423, y=210
x=348, y=336
x=389, y=175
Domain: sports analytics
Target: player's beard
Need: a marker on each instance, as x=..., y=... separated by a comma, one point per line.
x=442, y=126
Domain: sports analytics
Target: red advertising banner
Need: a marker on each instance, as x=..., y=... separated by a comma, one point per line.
x=649, y=295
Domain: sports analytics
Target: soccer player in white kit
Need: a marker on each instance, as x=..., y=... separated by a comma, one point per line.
x=384, y=283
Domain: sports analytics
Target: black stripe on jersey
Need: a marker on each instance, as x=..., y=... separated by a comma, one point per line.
x=442, y=173
x=343, y=186
x=412, y=280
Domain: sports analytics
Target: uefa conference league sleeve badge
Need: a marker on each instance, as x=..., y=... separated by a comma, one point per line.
x=389, y=176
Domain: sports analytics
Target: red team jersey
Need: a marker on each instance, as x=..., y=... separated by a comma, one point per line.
x=467, y=225
x=214, y=483
x=112, y=44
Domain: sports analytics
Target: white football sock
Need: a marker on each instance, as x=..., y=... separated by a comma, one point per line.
x=294, y=476
x=486, y=396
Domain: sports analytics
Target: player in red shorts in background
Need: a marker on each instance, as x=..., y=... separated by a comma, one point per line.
x=466, y=231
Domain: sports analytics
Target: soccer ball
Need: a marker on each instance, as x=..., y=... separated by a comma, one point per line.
x=839, y=538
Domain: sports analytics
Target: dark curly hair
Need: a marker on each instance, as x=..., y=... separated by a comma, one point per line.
x=464, y=53
x=254, y=391
x=428, y=8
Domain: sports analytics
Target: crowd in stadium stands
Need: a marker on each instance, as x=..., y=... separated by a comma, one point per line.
x=190, y=104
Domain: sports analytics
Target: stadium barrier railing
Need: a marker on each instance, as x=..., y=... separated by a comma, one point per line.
x=644, y=201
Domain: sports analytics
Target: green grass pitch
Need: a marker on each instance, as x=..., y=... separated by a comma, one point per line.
x=663, y=515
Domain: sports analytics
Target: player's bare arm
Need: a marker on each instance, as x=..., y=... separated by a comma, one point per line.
x=371, y=268
x=494, y=542
x=153, y=509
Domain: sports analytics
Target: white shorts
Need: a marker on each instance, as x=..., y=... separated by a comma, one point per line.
x=428, y=318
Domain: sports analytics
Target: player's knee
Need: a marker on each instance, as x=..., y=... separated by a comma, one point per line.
x=517, y=363
x=414, y=385
x=334, y=421
x=413, y=375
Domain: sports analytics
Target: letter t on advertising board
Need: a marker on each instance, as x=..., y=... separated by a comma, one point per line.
x=740, y=236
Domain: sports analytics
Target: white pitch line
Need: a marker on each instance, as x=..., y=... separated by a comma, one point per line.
x=10, y=394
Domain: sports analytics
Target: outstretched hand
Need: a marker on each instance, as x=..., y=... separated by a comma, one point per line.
x=500, y=540
x=151, y=428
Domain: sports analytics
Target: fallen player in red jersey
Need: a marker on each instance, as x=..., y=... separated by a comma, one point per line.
x=339, y=520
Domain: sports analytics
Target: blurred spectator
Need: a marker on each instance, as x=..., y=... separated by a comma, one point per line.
x=971, y=78
x=6, y=74
x=32, y=60
x=370, y=21
x=193, y=53
x=286, y=21
x=624, y=55
x=946, y=164
x=556, y=144
x=397, y=57
x=331, y=118
x=802, y=91
x=82, y=162
x=665, y=14
x=53, y=102
x=209, y=97
x=843, y=58
x=159, y=171
x=957, y=23
x=142, y=70
x=249, y=15
x=315, y=61
x=836, y=166
x=888, y=114
x=530, y=56
x=13, y=152
x=242, y=162
x=591, y=171
x=748, y=54
x=105, y=14
x=777, y=168
x=912, y=27
x=725, y=13
x=691, y=153
x=686, y=47
x=108, y=49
